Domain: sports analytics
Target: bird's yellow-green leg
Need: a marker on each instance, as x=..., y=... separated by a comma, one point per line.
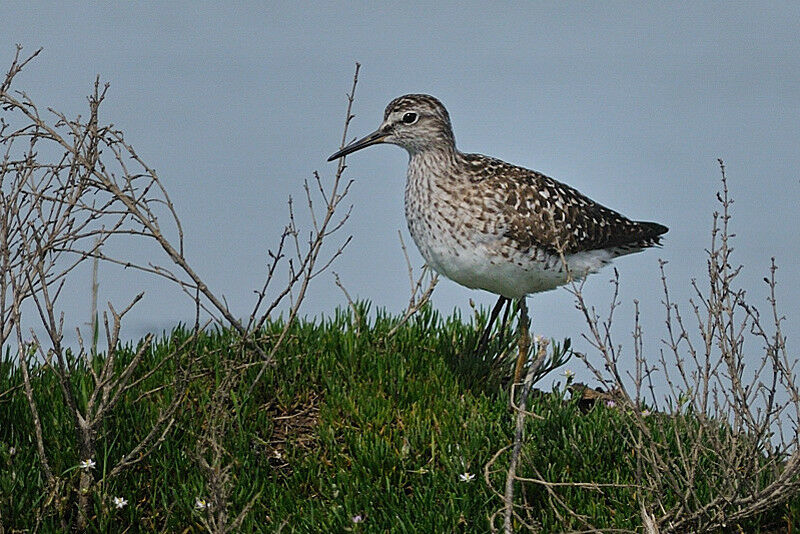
x=524, y=339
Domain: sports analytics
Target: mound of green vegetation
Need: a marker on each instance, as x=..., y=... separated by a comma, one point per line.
x=347, y=430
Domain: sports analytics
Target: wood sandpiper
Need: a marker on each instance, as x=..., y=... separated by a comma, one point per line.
x=487, y=224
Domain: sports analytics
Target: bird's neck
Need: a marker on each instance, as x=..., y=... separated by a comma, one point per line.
x=432, y=170
x=436, y=159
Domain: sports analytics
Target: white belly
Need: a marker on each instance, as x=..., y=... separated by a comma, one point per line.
x=499, y=269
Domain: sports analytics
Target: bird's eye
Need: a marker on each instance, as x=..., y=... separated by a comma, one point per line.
x=410, y=118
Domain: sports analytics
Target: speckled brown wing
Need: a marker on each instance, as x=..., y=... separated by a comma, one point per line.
x=545, y=213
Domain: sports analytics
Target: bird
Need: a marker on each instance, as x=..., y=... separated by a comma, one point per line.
x=491, y=225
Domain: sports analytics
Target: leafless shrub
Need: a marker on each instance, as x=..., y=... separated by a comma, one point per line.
x=303, y=267
x=730, y=416
x=57, y=213
x=508, y=494
x=216, y=463
x=68, y=187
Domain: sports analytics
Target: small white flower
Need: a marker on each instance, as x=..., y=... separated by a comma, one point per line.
x=610, y=403
x=569, y=373
x=466, y=477
x=200, y=504
x=87, y=464
x=119, y=502
x=12, y=451
x=357, y=518
x=645, y=413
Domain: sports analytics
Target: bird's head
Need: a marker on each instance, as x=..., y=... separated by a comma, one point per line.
x=415, y=122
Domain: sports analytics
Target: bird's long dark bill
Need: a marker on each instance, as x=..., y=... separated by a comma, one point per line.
x=372, y=139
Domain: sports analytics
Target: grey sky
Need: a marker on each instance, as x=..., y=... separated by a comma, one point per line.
x=235, y=104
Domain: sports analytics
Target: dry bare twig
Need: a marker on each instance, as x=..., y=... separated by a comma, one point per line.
x=419, y=296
